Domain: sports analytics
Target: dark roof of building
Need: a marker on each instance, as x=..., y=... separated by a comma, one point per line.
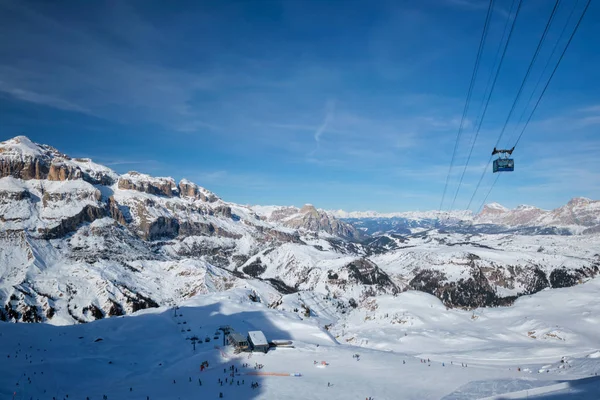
x=236, y=337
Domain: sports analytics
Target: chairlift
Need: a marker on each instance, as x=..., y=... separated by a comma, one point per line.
x=503, y=163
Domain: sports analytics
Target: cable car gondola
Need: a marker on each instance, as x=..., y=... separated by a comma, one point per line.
x=503, y=163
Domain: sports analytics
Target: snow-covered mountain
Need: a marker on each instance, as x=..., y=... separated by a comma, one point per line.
x=307, y=217
x=79, y=242
x=579, y=216
x=462, y=215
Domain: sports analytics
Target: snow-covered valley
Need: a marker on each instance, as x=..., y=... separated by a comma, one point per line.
x=409, y=347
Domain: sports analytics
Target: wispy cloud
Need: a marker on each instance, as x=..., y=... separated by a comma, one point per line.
x=195, y=126
x=329, y=114
x=78, y=67
x=590, y=109
x=591, y=117
x=40, y=98
x=472, y=4
x=579, y=118
x=129, y=162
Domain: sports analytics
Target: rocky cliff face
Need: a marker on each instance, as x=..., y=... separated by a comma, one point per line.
x=189, y=189
x=147, y=184
x=311, y=219
x=72, y=227
x=23, y=159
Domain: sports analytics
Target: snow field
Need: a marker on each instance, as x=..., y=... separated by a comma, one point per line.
x=149, y=350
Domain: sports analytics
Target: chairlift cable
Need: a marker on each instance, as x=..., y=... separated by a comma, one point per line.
x=489, y=96
x=469, y=93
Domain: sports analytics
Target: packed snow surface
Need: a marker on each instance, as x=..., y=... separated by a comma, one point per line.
x=409, y=347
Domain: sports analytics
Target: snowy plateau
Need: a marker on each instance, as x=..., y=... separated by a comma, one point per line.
x=105, y=278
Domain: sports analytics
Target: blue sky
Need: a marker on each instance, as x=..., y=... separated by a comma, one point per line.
x=343, y=104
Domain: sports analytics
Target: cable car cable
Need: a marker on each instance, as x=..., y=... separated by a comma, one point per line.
x=554, y=70
x=550, y=19
x=533, y=59
x=541, y=94
x=488, y=193
x=487, y=101
x=469, y=93
x=562, y=33
x=496, y=58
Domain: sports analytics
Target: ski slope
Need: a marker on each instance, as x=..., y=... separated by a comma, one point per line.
x=149, y=353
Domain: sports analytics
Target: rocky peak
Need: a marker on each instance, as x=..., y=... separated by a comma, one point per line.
x=310, y=218
x=24, y=159
x=147, y=184
x=309, y=209
x=494, y=208
x=191, y=190
x=578, y=211
x=23, y=148
x=579, y=201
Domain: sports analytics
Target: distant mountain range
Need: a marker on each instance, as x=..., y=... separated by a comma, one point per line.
x=579, y=216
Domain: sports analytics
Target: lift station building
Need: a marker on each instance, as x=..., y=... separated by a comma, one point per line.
x=258, y=341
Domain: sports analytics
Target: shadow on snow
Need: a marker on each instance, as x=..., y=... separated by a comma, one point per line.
x=145, y=356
